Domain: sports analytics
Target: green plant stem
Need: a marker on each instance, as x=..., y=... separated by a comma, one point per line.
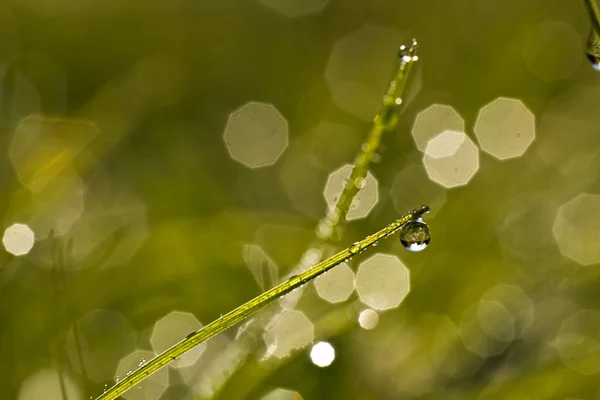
x=252, y=306
x=386, y=120
x=594, y=14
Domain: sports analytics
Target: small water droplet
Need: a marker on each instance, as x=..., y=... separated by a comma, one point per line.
x=355, y=248
x=415, y=235
x=359, y=183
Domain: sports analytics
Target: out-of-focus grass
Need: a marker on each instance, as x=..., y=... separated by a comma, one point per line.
x=166, y=212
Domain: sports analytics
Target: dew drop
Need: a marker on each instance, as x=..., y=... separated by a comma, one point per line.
x=355, y=248
x=592, y=52
x=415, y=235
x=359, y=183
x=594, y=61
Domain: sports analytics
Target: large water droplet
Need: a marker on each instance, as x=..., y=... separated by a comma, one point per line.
x=415, y=235
x=355, y=248
x=594, y=61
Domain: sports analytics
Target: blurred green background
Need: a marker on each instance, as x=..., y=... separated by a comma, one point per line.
x=125, y=156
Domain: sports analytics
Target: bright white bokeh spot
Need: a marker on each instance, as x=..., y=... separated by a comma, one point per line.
x=578, y=342
x=103, y=337
x=451, y=159
x=505, y=128
x=382, y=281
x=359, y=69
x=173, y=328
x=336, y=285
x=434, y=120
x=256, y=134
x=322, y=354
x=552, y=50
x=282, y=394
x=151, y=388
x=18, y=239
x=45, y=384
x=288, y=331
x=577, y=229
x=364, y=201
x=414, y=180
x=295, y=8
x=368, y=319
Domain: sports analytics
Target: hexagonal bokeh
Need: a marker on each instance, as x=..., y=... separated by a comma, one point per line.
x=360, y=67
x=322, y=354
x=451, y=159
x=99, y=339
x=449, y=354
x=18, y=239
x=112, y=215
x=294, y=8
x=55, y=206
x=496, y=321
x=382, y=281
x=515, y=301
x=434, y=120
x=475, y=338
x=44, y=147
x=173, y=328
x=505, y=128
x=256, y=134
x=577, y=229
x=46, y=384
x=412, y=186
x=336, y=285
x=552, y=50
x=218, y=362
x=364, y=201
x=282, y=394
x=578, y=342
x=368, y=319
x=287, y=331
x=151, y=388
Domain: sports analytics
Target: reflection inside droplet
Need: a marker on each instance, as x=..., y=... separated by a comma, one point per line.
x=592, y=51
x=594, y=61
x=415, y=235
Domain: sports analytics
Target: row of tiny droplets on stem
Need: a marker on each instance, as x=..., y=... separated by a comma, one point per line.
x=385, y=120
x=245, y=310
